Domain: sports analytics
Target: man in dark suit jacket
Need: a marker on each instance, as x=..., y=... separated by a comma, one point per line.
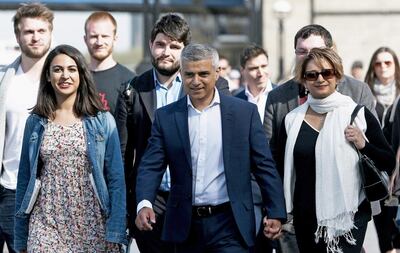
x=291, y=94
x=153, y=89
x=256, y=73
x=211, y=143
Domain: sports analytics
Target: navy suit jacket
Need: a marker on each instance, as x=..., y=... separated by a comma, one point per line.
x=245, y=150
x=134, y=128
x=256, y=190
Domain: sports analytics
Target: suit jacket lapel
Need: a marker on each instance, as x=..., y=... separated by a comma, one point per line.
x=293, y=96
x=182, y=92
x=227, y=123
x=147, y=92
x=181, y=119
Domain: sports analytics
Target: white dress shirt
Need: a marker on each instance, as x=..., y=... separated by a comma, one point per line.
x=259, y=100
x=205, y=134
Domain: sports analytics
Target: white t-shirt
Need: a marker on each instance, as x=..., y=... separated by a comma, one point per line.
x=21, y=97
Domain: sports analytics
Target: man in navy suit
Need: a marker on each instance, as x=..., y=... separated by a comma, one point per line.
x=256, y=73
x=155, y=88
x=211, y=143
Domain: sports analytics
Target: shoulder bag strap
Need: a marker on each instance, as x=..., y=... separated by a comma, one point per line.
x=353, y=116
x=354, y=113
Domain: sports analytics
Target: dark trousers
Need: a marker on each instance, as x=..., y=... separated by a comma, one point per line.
x=2, y=242
x=306, y=239
x=150, y=241
x=388, y=234
x=263, y=244
x=217, y=233
x=7, y=210
x=288, y=243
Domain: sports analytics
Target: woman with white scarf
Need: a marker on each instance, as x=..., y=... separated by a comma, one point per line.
x=322, y=182
x=383, y=77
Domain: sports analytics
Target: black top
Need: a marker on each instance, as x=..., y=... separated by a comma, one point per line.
x=304, y=165
x=377, y=148
x=395, y=131
x=108, y=83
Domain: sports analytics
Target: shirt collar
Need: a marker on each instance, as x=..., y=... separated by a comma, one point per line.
x=158, y=84
x=216, y=100
x=268, y=88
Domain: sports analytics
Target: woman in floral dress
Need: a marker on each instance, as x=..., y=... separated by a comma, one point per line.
x=71, y=189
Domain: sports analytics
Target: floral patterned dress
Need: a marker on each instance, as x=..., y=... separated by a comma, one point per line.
x=67, y=215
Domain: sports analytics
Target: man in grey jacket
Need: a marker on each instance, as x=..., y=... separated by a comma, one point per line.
x=291, y=94
x=19, y=85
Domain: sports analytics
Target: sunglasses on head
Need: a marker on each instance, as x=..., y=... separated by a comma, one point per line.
x=313, y=75
x=379, y=63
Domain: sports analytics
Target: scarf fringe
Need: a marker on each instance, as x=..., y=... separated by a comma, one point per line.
x=332, y=237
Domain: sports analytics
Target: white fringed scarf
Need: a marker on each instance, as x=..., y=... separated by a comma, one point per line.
x=338, y=183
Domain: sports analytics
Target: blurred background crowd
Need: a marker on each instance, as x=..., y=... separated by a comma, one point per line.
x=359, y=27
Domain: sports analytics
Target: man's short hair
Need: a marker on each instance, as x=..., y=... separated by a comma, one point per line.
x=33, y=10
x=173, y=26
x=314, y=29
x=251, y=52
x=223, y=57
x=101, y=15
x=357, y=65
x=199, y=52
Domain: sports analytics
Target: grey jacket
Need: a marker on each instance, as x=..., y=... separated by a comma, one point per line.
x=6, y=75
x=285, y=98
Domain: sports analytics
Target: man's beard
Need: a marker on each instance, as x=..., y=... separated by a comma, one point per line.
x=100, y=56
x=165, y=71
x=35, y=53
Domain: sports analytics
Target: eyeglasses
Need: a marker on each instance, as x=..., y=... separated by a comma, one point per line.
x=379, y=63
x=313, y=75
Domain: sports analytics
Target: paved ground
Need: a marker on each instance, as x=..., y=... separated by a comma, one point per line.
x=133, y=248
x=371, y=240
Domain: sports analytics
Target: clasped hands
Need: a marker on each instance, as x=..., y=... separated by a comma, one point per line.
x=272, y=228
x=146, y=219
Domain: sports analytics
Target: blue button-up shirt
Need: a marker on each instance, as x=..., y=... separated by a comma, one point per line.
x=166, y=96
